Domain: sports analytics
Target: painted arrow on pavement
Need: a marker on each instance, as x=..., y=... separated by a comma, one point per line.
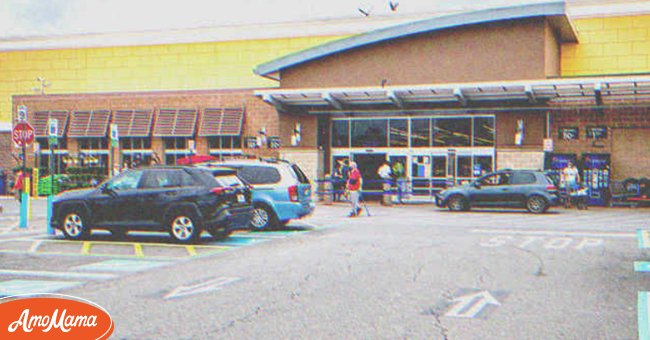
x=470, y=305
x=202, y=287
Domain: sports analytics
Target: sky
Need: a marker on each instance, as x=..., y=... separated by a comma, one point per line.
x=19, y=18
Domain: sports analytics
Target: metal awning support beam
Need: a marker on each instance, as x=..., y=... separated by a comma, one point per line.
x=530, y=94
x=397, y=101
x=598, y=93
x=327, y=96
x=276, y=103
x=458, y=93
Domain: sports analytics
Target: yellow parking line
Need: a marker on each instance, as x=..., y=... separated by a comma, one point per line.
x=85, y=249
x=646, y=238
x=138, y=250
x=191, y=250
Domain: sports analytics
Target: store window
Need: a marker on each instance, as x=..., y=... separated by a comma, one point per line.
x=482, y=165
x=175, y=143
x=452, y=132
x=340, y=133
x=484, y=131
x=369, y=133
x=44, y=144
x=224, y=142
x=93, y=143
x=420, y=132
x=399, y=133
x=596, y=132
x=464, y=164
x=135, y=143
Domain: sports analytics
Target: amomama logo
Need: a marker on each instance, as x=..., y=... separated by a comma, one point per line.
x=53, y=316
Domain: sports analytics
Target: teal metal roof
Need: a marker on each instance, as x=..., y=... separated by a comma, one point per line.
x=555, y=11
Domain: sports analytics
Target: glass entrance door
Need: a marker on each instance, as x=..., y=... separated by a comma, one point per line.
x=368, y=163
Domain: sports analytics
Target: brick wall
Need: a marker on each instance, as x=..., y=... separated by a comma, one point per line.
x=519, y=159
x=309, y=160
x=6, y=147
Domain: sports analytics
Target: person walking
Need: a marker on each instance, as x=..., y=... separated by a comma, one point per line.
x=398, y=176
x=354, y=188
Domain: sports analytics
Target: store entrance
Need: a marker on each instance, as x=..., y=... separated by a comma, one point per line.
x=368, y=165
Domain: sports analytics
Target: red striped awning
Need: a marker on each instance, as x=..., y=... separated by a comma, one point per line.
x=221, y=122
x=133, y=123
x=175, y=123
x=41, y=119
x=89, y=123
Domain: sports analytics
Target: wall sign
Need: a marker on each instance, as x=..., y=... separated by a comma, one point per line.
x=596, y=132
x=568, y=133
x=274, y=142
x=250, y=142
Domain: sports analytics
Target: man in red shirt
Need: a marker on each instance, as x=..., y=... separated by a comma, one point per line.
x=18, y=185
x=354, y=187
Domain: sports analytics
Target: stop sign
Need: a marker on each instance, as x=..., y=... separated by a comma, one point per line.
x=23, y=134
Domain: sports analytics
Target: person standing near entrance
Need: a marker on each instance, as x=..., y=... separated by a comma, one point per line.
x=345, y=175
x=398, y=176
x=354, y=188
x=385, y=173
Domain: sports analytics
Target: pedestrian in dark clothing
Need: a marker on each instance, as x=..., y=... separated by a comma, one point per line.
x=337, y=182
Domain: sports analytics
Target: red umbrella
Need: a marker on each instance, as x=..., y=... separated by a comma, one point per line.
x=195, y=159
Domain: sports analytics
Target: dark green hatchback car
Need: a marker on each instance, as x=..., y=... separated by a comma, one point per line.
x=528, y=189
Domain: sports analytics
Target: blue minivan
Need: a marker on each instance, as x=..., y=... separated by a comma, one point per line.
x=281, y=190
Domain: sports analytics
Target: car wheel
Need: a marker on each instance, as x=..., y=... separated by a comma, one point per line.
x=183, y=228
x=219, y=233
x=457, y=203
x=536, y=204
x=263, y=217
x=74, y=227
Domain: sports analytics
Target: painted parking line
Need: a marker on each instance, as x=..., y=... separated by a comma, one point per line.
x=110, y=249
x=555, y=233
x=17, y=287
x=121, y=266
x=643, y=321
x=239, y=241
x=640, y=266
x=57, y=275
x=643, y=236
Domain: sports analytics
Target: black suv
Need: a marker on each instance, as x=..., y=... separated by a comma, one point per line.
x=183, y=201
x=528, y=189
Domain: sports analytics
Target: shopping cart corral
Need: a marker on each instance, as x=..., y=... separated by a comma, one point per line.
x=627, y=193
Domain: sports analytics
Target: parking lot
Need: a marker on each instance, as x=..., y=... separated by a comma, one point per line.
x=406, y=271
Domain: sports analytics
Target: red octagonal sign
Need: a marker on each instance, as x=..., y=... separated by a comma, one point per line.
x=23, y=134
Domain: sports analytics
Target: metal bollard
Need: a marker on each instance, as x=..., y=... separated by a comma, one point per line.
x=386, y=198
x=328, y=192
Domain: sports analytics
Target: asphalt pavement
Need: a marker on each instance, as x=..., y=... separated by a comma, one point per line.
x=405, y=272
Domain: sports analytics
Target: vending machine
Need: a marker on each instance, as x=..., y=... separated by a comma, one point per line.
x=595, y=175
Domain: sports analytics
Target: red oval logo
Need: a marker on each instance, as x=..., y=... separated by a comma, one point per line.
x=53, y=316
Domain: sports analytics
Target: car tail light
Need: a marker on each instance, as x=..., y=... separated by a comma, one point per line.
x=551, y=188
x=293, y=193
x=220, y=190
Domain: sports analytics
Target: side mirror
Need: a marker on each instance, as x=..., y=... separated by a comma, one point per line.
x=476, y=184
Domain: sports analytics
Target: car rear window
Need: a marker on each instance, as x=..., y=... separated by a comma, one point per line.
x=229, y=181
x=205, y=177
x=254, y=174
x=302, y=178
x=522, y=178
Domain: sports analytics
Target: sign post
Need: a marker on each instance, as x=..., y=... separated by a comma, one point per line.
x=115, y=142
x=52, y=136
x=23, y=135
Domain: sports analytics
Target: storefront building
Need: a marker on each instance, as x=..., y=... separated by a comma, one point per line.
x=449, y=96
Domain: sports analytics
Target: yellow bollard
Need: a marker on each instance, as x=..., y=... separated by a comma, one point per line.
x=35, y=182
x=29, y=200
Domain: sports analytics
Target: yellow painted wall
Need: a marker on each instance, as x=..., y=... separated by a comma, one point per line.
x=613, y=45
x=143, y=68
